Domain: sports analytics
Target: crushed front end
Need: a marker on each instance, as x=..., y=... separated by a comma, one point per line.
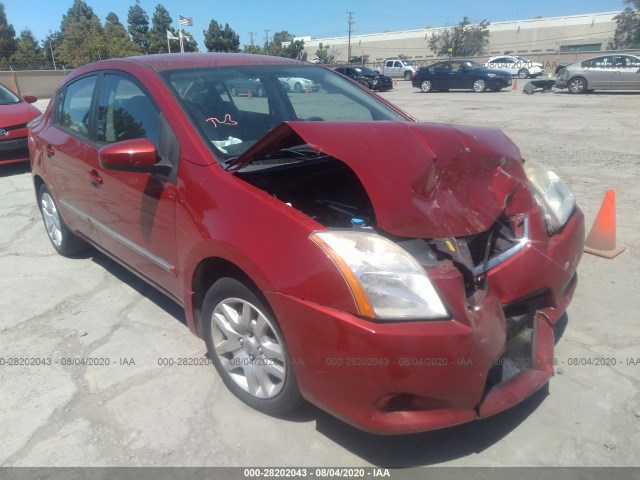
x=499, y=241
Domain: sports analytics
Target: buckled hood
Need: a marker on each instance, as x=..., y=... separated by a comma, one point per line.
x=424, y=180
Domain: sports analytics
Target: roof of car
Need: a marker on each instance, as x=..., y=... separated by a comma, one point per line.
x=173, y=61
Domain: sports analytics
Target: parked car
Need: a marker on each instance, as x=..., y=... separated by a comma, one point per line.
x=403, y=276
x=367, y=77
x=606, y=72
x=15, y=113
x=460, y=74
x=242, y=86
x=516, y=66
x=397, y=67
x=299, y=84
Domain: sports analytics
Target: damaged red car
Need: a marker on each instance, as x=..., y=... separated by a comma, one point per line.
x=402, y=276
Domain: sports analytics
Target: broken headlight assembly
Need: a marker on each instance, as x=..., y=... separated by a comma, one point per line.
x=387, y=283
x=551, y=193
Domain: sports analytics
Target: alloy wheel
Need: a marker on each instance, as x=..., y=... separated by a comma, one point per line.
x=51, y=219
x=248, y=347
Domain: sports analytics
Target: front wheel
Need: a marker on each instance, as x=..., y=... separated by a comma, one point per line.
x=248, y=348
x=426, y=86
x=577, y=85
x=63, y=240
x=408, y=76
x=298, y=87
x=479, y=85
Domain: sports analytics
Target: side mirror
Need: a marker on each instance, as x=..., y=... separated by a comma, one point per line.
x=136, y=155
x=30, y=98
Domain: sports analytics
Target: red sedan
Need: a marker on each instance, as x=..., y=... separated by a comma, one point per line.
x=403, y=276
x=15, y=113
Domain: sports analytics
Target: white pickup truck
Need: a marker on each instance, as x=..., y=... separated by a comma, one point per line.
x=397, y=67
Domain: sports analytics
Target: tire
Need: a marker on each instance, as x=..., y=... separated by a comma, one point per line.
x=248, y=348
x=298, y=87
x=479, y=85
x=523, y=73
x=577, y=85
x=234, y=92
x=63, y=240
x=426, y=86
x=408, y=76
x=260, y=92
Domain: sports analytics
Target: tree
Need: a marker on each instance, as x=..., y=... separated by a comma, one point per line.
x=28, y=54
x=138, y=27
x=51, y=43
x=160, y=23
x=463, y=40
x=627, y=34
x=324, y=55
x=218, y=39
x=82, y=36
x=116, y=41
x=7, y=37
x=292, y=48
x=255, y=49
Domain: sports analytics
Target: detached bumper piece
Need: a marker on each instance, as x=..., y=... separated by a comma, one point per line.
x=525, y=366
x=538, y=86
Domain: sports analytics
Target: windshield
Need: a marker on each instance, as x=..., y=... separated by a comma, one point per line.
x=366, y=71
x=235, y=106
x=407, y=63
x=7, y=96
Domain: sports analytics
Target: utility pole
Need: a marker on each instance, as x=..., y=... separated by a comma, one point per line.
x=266, y=32
x=350, y=22
x=252, y=34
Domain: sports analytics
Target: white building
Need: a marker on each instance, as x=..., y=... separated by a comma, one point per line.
x=532, y=37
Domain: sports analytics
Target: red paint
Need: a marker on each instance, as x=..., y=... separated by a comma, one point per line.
x=424, y=181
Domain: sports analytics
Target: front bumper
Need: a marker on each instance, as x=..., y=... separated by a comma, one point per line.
x=561, y=83
x=401, y=377
x=14, y=150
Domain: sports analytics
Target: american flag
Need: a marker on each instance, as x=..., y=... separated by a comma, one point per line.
x=186, y=21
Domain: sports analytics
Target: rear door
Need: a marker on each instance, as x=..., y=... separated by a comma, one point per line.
x=134, y=212
x=626, y=75
x=67, y=147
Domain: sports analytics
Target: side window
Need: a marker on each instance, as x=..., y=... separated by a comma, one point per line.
x=125, y=112
x=389, y=64
x=397, y=64
x=74, y=109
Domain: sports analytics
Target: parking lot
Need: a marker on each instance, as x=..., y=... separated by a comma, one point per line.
x=135, y=406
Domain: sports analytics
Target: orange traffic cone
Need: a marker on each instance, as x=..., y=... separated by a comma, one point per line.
x=249, y=95
x=515, y=84
x=602, y=236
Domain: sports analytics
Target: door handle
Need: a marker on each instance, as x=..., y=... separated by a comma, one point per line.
x=49, y=149
x=96, y=179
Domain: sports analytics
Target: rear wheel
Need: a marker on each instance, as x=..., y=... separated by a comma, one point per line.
x=426, y=86
x=63, y=240
x=523, y=73
x=479, y=85
x=577, y=85
x=298, y=87
x=248, y=348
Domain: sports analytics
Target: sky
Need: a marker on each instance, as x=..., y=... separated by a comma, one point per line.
x=327, y=18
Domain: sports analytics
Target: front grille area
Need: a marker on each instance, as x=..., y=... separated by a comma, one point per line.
x=517, y=357
x=487, y=246
x=14, y=149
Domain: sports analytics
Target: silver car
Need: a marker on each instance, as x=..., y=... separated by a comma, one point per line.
x=607, y=72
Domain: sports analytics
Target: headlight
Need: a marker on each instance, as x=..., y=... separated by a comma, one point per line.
x=492, y=75
x=386, y=282
x=552, y=194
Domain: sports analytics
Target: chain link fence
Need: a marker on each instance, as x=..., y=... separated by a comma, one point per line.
x=41, y=83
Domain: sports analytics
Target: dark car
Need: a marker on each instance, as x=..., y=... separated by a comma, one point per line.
x=367, y=77
x=403, y=276
x=460, y=75
x=246, y=86
x=15, y=113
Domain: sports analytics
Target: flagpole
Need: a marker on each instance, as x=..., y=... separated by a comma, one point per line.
x=181, y=42
x=168, y=46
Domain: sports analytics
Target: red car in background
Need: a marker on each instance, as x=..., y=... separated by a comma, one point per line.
x=403, y=276
x=15, y=113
